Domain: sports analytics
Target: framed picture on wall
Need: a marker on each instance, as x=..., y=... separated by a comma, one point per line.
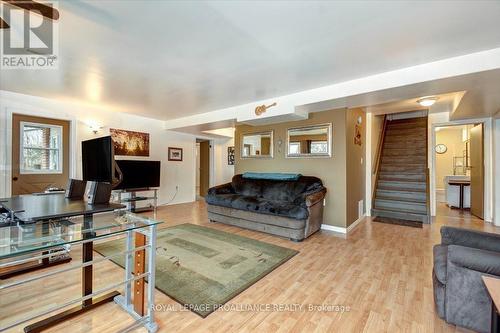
x=174, y=154
x=230, y=155
x=130, y=143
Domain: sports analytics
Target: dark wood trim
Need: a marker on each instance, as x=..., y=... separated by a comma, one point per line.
x=35, y=7
x=73, y=312
x=3, y=24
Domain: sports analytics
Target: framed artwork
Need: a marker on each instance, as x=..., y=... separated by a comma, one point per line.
x=130, y=143
x=174, y=154
x=230, y=155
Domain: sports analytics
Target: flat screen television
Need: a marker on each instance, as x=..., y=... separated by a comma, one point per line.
x=139, y=174
x=98, y=160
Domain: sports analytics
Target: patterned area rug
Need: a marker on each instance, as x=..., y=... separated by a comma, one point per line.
x=203, y=268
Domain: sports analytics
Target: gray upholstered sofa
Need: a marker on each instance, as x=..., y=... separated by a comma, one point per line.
x=459, y=262
x=292, y=208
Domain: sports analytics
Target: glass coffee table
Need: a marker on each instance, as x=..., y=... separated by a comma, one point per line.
x=23, y=243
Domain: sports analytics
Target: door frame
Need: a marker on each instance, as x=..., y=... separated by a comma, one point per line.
x=211, y=176
x=488, y=162
x=6, y=136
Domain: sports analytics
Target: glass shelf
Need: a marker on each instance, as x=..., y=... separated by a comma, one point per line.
x=21, y=239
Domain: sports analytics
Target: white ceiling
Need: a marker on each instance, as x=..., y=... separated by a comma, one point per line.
x=170, y=59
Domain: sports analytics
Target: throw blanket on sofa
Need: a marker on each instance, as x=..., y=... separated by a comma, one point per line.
x=272, y=176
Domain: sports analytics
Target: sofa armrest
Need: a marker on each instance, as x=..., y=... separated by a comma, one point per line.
x=478, y=260
x=312, y=198
x=470, y=238
x=221, y=189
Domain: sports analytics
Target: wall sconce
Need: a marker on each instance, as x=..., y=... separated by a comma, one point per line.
x=94, y=126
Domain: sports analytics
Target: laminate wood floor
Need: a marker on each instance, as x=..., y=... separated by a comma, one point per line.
x=381, y=272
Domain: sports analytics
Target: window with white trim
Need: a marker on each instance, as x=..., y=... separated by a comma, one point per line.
x=41, y=148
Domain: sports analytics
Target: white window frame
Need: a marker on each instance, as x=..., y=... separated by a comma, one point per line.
x=23, y=171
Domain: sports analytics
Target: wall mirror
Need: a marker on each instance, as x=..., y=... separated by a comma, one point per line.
x=257, y=145
x=310, y=141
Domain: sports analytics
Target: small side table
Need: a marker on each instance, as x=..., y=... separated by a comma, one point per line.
x=493, y=287
x=461, y=184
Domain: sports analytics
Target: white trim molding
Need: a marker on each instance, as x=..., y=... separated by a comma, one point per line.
x=488, y=161
x=342, y=230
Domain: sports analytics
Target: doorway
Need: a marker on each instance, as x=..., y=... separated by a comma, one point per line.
x=459, y=170
x=203, y=167
x=40, y=154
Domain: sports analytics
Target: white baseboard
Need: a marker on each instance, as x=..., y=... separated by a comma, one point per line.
x=342, y=230
x=440, y=195
x=334, y=228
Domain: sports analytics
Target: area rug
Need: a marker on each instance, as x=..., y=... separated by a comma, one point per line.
x=406, y=223
x=203, y=268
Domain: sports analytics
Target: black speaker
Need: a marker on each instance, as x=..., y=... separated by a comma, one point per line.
x=75, y=189
x=100, y=193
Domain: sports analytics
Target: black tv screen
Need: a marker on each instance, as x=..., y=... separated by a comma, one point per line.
x=98, y=160
x=139, y=174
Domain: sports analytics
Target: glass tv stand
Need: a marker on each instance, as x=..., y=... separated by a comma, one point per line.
x=23, y=243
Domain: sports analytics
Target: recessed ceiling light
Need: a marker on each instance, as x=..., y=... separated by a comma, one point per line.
x=427, y=101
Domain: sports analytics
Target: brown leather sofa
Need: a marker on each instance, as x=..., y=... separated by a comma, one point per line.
x=287, y=208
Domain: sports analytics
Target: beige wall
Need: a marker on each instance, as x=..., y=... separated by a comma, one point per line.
x=332, y=171
x=452, y=138
x=355, y=165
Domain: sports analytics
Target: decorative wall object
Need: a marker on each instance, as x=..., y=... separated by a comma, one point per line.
x=263, y=108
x=129, y=143
x=357, y=135
x=174, y=154
x=230, y=155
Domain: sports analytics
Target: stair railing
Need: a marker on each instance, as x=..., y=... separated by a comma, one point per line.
x=378, y=158
x=380, y=146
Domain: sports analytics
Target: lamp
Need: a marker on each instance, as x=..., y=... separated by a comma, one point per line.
x=427, y=101
x=94, y=126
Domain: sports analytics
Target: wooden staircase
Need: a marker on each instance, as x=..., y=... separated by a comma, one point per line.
x=402, y=181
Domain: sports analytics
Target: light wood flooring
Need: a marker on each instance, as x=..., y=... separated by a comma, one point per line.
x=381, y=271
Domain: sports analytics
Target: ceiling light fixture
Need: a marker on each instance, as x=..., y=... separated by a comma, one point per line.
x=427, y=101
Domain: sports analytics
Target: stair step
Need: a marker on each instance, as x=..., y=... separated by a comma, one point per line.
x=404, y=206
x=400, y=189
x=400, y=215
x=405, y=139
x=385, y=184
x=404, y=159
x=419, y=131
x=410, y=146
x=389, y=198
x=401, y=150
x=404, y=168
x=422, y=120
x=414, y=195
x=397, y=177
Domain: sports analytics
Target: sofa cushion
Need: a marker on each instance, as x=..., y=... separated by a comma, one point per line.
x=259, y=205
x=251, y=187
x=440, y=262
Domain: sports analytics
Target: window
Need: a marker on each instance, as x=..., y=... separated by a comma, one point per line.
x=319, y=147
x=41, y=148
x=294, y=148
